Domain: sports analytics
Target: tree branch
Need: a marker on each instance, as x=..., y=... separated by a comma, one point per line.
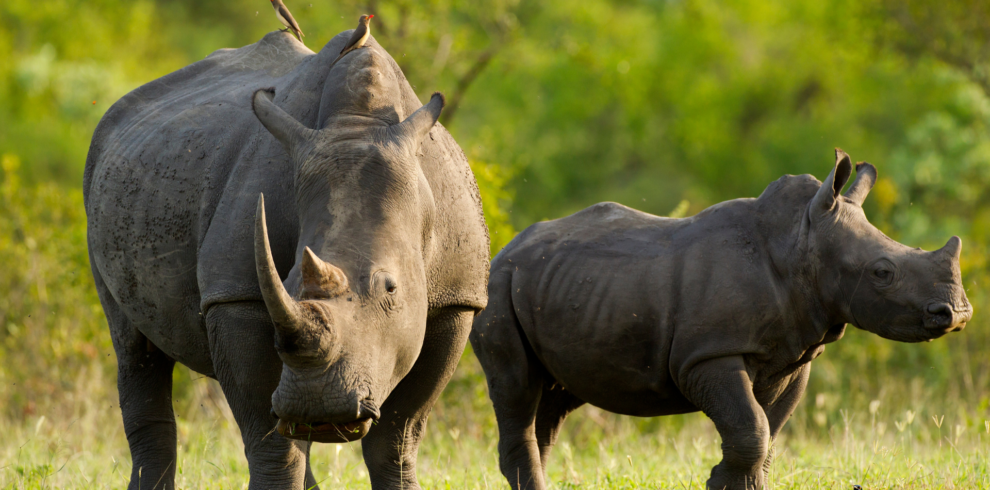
x=465, y=82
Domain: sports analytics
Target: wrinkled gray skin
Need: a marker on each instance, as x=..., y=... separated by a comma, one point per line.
x=372, y=219
x=721, y=312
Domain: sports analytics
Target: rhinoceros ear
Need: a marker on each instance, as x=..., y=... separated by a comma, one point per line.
x=866, y=176
x=824, y=199
x=296, y=138
x=419, y=124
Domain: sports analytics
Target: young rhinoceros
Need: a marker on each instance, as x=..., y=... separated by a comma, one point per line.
x=722, y=312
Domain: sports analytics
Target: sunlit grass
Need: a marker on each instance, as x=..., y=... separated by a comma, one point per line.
x=597, y=450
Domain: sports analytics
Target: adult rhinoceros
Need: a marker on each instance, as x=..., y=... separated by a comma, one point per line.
x=721, y=312
x=354, y=305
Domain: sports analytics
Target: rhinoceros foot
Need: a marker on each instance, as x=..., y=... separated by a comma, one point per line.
x=724, y=479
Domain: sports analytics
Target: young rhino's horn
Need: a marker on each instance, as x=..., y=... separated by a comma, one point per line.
x=951, y=250
x=320, y=280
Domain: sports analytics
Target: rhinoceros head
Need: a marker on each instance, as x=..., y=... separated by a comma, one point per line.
x=350, y=318
x=874, y=282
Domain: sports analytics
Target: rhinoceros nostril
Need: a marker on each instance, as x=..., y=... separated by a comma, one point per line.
x=940, y=309
x=368, y=409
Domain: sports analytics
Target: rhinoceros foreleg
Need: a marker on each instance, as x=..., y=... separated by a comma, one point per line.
x=721, y=388
x=780, y=409
x=144, y=382
x=242, y=341
x=555, y=404
x=391, y=445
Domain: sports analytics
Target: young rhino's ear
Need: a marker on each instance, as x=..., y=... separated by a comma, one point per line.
x=418, y=125
x=866, y=176
x=825, y=199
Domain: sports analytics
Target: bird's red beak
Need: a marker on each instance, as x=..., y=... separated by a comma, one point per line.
x=372, y=16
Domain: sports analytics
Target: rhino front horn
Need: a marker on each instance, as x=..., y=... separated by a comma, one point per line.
x=952, y=249
x=285, y=311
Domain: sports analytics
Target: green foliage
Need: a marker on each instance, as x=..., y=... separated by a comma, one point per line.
x=954, y=32
x=648, y=103
x=53, y=337
x=492, y=182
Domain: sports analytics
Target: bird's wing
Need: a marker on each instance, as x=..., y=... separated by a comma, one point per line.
x=288, y=16
x=355, y=37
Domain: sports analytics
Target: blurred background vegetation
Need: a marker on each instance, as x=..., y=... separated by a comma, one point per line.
x=667, y=106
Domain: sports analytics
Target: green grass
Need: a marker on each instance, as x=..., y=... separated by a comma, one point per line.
x=873, y=447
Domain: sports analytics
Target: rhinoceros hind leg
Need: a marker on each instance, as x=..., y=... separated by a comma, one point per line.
x=555, y=404
x=248, y=368
x=144, y=382
x=516, y=381
x=515, y=394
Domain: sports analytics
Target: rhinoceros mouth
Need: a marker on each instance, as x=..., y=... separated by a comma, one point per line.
x=325, y=431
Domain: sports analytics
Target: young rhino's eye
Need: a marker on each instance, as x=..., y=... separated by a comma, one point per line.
x=883, y=272
x=391, y=288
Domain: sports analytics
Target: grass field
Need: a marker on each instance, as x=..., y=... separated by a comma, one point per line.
x=877, y=446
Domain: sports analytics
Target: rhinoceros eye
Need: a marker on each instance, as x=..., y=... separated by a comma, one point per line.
x=883, y=272
x=390, y=284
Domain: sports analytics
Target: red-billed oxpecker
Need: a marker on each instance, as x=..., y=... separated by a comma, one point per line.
x=358, y=38
x=285, y=17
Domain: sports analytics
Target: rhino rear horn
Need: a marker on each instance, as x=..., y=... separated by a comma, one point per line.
x=320, y=280
x=824, y=199
x=285, y=311
x=952, y=249
x=415, y=128
x=296, y=138
x=866, y=176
